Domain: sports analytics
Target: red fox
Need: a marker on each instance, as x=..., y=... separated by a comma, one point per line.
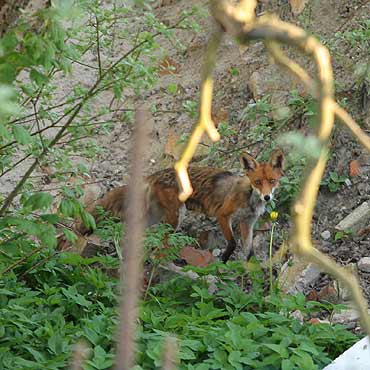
x=217, y=193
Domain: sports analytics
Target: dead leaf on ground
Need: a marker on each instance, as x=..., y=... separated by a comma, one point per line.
x=220, y=116
x=364, y=231
x=354, y=168
x=197, y=257
x=297, y=6
x=168, y=67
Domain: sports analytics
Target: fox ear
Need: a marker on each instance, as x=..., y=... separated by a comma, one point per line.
x=277, y=159
x=248, y=162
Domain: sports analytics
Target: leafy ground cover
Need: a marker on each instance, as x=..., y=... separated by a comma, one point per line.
x=45, y=312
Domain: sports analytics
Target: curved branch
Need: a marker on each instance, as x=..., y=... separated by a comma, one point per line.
x=245, y=27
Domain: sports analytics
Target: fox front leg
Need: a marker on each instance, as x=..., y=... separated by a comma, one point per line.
x=246, y=231
x=225, y=225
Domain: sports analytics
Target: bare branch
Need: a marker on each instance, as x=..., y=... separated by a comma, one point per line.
x=131, y=270
x=170, y=360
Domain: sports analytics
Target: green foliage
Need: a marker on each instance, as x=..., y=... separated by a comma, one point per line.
x=333, y=181
x=64, y=300
x=191, y=108
x=50, y=300
x=291, y=181
x=343, y=235
x=163, y=245
x=43, y=124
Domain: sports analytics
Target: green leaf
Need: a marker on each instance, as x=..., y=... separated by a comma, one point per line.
x=282, y=351
x=172, y=88
x=68, y=208
x=8, y=72
x=88, y=219
x=4, y=133
x=8, y=42
x=39, y=78
x=51, y=218
x=47, y=236
x=55, y=343
x=70, y=235
x=39, y=201
x=77, y=298
x=21, y=135
x=287, y=364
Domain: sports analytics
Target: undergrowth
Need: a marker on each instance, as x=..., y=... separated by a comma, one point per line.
x=45, y=312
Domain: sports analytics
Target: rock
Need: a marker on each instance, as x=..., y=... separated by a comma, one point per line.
x=216, y=252
x=343, y=291
x=270, y=78
x=355, y=358
x=298, y=276
x=363, y=188
x=280, y=110
x=298, y=315
x=356, y=219
x=364, y=264
x=326, y=234
x=347, y=317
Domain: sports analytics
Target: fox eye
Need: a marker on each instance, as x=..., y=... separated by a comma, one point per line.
x=258, y=182
x=272, y=181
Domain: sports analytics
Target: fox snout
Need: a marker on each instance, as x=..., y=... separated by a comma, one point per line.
x=264, y=196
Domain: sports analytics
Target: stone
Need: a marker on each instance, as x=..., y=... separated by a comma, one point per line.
x=326, y=234
x=298, y=276
x=271, y=78
x=346, y=317
x=356, y=219
x=298, y=315
x=216, y=252
x=356, y=357
x=364, y=264
x=343, y=291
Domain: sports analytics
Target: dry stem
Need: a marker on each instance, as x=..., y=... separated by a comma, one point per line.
x=131, y=270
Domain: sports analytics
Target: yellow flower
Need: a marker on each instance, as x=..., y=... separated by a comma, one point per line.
x=274, y=215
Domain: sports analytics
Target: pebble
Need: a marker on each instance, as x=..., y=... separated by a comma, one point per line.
x=364, y=264
x=326, y=234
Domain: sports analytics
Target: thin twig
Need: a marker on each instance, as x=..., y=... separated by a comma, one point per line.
x=80, y=354
x=205, y=123
x=131, y=270
x=15, y=164
x=98, y=45
x=170, y=355
x=21, y=260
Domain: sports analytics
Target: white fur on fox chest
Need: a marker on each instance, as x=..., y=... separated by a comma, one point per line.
x=256, y=205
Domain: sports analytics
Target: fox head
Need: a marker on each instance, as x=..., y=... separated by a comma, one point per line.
x=264, y=177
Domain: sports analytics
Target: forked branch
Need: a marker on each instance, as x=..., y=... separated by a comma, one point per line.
x=240, y=22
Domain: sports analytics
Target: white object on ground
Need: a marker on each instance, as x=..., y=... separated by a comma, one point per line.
x=355, y=358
